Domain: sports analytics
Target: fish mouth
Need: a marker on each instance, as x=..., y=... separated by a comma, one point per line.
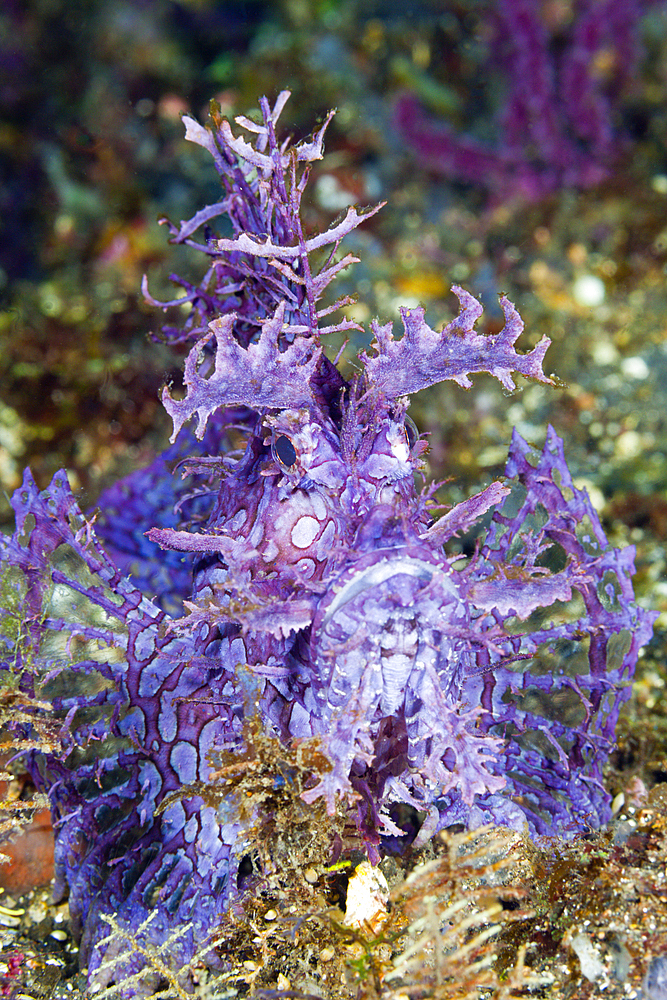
x=382, y=627
x=373, y=576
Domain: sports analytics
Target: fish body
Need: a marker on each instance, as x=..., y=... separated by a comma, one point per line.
x=304, y=579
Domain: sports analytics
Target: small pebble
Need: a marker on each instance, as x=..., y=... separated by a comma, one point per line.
x=327, y=954
x=617, y=803
x=270, y=915
x=10, y=918
x=311, y=875
x=621, y=959
x=622, y=831
x=367, y=895
x=655, y=980
x=589, y=957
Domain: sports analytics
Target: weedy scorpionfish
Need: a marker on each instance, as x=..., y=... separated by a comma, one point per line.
x=307, y=568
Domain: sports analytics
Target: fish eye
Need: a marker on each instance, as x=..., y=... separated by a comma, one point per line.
x=411, y=432
x=284, y=452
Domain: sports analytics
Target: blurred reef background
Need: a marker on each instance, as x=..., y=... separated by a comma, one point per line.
x=522, y=149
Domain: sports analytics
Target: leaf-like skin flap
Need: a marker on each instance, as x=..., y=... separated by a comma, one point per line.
x=462, y=517
x=522, y=595
x=424, y=357
x=259, y=376
x=278, y=618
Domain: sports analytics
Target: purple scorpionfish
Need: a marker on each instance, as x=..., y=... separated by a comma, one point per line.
x=473, y=689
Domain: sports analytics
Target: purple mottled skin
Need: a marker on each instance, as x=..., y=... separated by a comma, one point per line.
x=308, y=571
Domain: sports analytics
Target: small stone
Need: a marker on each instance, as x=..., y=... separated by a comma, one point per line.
x=311, y=876
x=367, y=895
x=10, y=918
x=621, y=959
x=327, y=953
x=283, y=982
x=655, y=980
x=271, y=915
x=589, y=957
x=617, y=803
x=622, y=831
x=250, y=966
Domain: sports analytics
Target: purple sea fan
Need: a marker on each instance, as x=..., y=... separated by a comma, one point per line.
x=560, y=125
x=473, y=690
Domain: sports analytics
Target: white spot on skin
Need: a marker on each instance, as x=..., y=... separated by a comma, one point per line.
x=237, y=652
x=208, y=739
x=326, y=540
x=208, y=841
x=261, y=515
x=183, y=759
x=173, y=819
x=398, y=443
x=134, y=723
x=256, y=535
x=151, y=677
x=150, y=781
x=167, y=722
x=191, y=830
x=270, y=551
x=305, y=532
x=288, y=514
x=237, y=521
x=306, y=567
x=387, y=494
x=319, y=506
x=144, y=644
x=300, y=720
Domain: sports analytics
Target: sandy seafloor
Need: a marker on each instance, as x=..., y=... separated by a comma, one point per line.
x=92, y=152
